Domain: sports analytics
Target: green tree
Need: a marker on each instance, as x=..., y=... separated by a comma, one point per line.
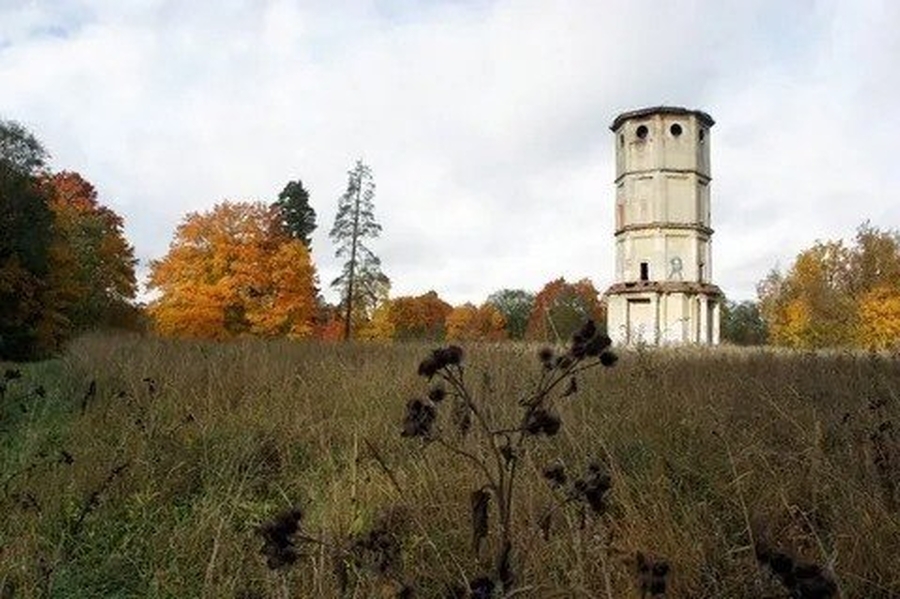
x=743, y=324
x=515, y=305
x=25, y=237
x=297, y=217
x=361, y=283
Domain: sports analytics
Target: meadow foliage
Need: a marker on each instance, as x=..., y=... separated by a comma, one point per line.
x=138, y=466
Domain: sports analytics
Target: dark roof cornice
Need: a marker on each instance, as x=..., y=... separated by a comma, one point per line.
x=642, y=112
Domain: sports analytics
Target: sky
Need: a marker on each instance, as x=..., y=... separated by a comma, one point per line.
x=485, y=123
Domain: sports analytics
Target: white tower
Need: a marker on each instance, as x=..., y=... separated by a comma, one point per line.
x=663, y=291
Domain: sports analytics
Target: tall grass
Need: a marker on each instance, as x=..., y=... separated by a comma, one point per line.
x=157, y=482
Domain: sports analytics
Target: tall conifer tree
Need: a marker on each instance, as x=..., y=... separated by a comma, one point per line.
x=361, y=282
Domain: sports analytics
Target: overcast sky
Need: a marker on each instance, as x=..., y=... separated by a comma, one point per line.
x=486, y=123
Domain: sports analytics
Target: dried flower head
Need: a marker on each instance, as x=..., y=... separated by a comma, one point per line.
x=542, y=421
x=481, y=588
x=555, y=474
x=608, y=359
x=801, y=579
x=440, y=358
x=437, y=394
x=651, y=575
x=597, y=344
x=278, y=542
x=545, y=355
x=593, y=488
x=419, y=418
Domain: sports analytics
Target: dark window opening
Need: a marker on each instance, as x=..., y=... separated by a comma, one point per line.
x=642, y=132
x=645, y=271
x=702, y=134
x=621, y=140
x=675, y=129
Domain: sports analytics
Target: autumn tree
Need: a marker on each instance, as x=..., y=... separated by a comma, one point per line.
x=811, y=306
x=361, y=283
x=470, y=323
x=836, y=295
x=380, y=326
x=296, y=215
x=25, y=235
x=95, y=261
x=515, y=306
x=560, y=308
x=421, y=317
x=234, y=270
x=742, y=323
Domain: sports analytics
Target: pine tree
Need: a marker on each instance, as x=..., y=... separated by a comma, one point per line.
x=297, y=217
x=361, y=283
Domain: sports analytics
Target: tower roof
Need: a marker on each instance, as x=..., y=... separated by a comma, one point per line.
x=640, y=112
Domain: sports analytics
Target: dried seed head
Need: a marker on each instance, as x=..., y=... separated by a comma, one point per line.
x=555, y=474
x=278, y=544
x=419, y=418
x=437, y=394
x=542, y=421
x=597, y=344
x=545, y=355
x=481, y=588
x=608, y=359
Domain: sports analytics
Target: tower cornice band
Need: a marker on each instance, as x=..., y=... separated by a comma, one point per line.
x=708, y=231
x=660, y=110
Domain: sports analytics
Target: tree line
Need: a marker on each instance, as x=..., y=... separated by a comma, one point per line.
x=65, y=265
x=246, y=269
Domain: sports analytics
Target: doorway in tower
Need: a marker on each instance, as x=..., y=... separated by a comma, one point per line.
x=645, y=272
x=640, y=321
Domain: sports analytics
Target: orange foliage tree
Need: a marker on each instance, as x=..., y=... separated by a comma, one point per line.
x=468, y=323
x=234, y=270
x=92, y=264
x=420, y=317
x=561, y=308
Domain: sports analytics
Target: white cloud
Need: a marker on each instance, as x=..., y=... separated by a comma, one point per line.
x=485, y=123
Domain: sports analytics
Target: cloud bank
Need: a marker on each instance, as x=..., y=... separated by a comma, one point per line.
x=485, y=123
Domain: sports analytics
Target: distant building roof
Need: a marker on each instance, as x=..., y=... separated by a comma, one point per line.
x=702, y=116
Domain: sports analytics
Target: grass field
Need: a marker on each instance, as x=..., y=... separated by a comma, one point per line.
x=138, y=467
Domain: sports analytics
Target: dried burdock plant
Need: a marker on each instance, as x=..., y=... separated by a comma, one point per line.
x=278, y=538
x=802, y=580
x=466, y=421
x=378, y=551
x=651, y=575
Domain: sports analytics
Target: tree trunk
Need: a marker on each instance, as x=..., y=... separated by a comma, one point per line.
x=351, y=276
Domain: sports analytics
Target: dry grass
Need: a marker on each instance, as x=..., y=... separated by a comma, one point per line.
x=185, y=449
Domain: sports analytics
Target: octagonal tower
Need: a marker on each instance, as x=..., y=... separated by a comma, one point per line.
x=663, y=290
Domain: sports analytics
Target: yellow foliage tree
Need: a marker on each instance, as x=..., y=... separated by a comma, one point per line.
x=233, y=271
x=879, y=318
x=468, y=323
x=835, y=295
x=380, y=327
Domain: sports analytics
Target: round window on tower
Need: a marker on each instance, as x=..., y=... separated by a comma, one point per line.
x=675, y=130
x=641, y=132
